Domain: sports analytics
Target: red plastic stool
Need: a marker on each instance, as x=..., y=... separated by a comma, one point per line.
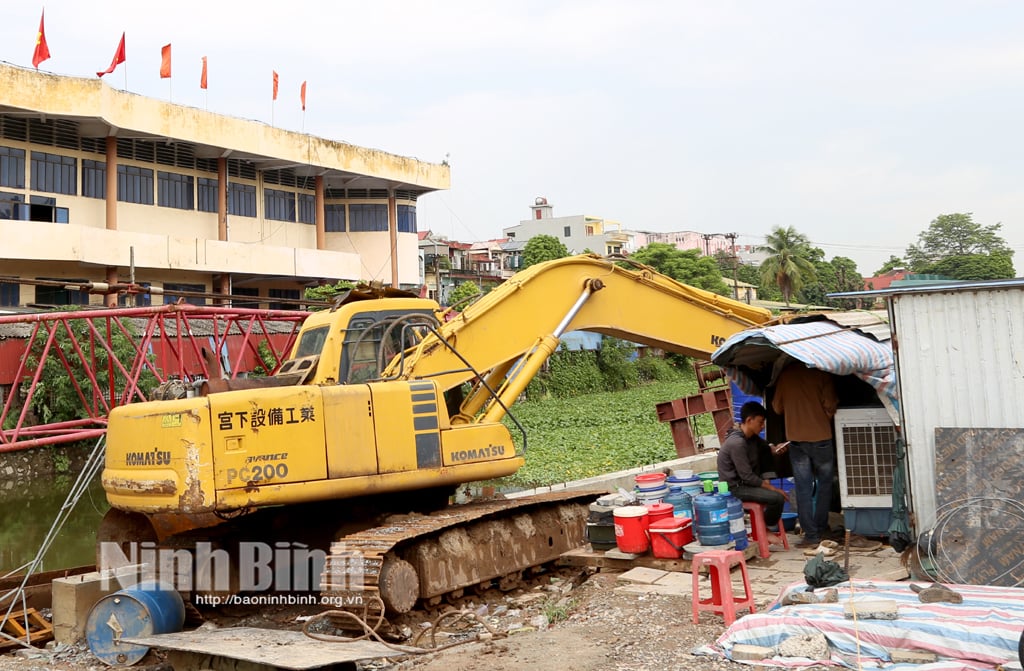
x=719, y=562
x=760, y=531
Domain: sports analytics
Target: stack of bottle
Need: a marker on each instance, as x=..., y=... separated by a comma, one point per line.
x=719, y=518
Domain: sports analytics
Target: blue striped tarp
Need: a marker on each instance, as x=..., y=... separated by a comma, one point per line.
x=979, y=634
x=821, y=344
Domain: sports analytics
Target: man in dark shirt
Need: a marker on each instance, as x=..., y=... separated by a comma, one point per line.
x=739, y=466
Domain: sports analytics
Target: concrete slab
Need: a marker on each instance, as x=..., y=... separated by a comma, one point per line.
x=612, y=481
x=672, y=589
x=675, y=579
x=268, y=648
x=642, y=575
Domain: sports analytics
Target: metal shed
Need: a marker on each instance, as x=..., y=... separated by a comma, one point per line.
x=959, y=350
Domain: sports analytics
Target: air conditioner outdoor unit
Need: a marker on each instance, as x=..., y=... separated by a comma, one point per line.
x=866, y=451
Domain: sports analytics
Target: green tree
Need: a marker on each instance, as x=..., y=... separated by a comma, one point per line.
x=894, y=263
x=835, y=276
x=461, y=295
x=56, y=398
x=684, y=265
x=326, y=292
x=789, y=264
x=975, y=267
x=542, y=248
x=957, y=235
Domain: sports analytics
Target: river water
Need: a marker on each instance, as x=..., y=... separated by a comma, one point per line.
x=26, y=517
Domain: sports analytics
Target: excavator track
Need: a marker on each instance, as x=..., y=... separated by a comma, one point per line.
x=424, y=558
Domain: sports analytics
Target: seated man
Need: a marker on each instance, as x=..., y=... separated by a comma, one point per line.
x=738, y=465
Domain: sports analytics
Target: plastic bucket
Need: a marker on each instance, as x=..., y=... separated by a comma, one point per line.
x=669, y=536
x=601, y=536
x=659, y=511
x=646, y=481
x=631, y=529
x=712, y=516
x=143, y=610
x=651, y=495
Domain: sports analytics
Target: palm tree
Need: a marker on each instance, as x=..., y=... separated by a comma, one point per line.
x=787, y=265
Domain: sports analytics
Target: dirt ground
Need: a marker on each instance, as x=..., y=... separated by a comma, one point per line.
x=569, y=619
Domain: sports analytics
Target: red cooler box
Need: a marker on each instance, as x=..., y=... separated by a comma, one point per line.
x=668, y=536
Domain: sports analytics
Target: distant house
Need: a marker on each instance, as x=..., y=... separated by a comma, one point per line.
x=741, y=291
x=578, y=232
x=883, y=281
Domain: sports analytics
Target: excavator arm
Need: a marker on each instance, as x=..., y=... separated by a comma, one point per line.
x=512, y=330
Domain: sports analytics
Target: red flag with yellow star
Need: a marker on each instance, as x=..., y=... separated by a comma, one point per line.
x=42, y=51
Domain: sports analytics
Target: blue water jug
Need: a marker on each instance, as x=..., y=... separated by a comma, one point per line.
x=682, y=503
x=737, y=526
x=711, y=514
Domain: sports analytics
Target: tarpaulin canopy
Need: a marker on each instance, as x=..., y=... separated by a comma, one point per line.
x=838, y=343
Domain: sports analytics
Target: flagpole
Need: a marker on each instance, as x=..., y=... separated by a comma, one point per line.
x=126, y=75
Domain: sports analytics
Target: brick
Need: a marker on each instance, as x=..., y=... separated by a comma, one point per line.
x=871, y=609
x=912, y=657
x=741, y=652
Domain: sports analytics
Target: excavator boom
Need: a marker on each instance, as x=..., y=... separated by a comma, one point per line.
x=508, y=332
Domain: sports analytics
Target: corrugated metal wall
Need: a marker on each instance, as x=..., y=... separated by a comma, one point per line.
x=960, y=363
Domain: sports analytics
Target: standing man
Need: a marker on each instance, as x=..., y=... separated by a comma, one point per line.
x=806, y=397
x=738, y=465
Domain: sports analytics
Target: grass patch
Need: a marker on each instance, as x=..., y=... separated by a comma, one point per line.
x=579, y=437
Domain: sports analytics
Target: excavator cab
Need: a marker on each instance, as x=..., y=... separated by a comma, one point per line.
x=372, y=340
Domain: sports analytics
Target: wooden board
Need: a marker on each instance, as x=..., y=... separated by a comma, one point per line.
x=39, y=630
x=37, y=589
x=273, y=648
x=587, y=557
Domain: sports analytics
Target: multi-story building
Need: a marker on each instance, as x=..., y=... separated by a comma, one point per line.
x=100, y=185
x=578, y=233
x=436, y=254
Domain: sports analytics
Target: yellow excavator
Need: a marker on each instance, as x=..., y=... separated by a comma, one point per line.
x=386, y=404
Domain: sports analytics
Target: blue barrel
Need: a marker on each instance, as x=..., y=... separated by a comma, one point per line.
x=739, y=397
x=737, y=527
x=711, y=512
x=787, y=485
x=146, y=609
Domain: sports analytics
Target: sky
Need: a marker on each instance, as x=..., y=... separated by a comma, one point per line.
x=855, y=123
